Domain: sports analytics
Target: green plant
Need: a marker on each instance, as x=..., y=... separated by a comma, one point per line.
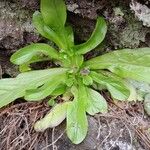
x=76, y=80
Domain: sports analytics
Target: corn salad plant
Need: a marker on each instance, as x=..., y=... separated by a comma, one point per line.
x=76, y=80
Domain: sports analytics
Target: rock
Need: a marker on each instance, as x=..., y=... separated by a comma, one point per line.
x=16, y=27
x=142, y=12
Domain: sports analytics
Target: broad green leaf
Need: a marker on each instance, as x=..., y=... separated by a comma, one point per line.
x=54, y=13
x=10, y=89
x=127, y=63
x=77, y=124
x=45, y=90
x=13, y=88
x=39, y=77
x=54, y=118
x=114, y=84
x=26, y=54
x=96, y=38
x=96, y=102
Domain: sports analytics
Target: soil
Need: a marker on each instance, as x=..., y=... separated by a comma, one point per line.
x=125, y=127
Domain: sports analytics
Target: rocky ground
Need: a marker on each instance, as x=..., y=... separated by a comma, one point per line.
x=126, y=126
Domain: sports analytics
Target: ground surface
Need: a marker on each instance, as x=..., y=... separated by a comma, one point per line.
x=125, y=127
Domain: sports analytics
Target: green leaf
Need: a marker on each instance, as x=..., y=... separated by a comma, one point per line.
x=26, y=66
x=39, y=23
x=10, y=89
x=77, y=124
x=96, y=102
x=54, y=118
x=26, y=54
x=55, y=37
x=115, y=85
x=51, y=102
x=127, y=63
x=70, y=35
x=96, y=38
x=87, y=80
x=45, y=90
x=54, y=13
x=45, y=30
x=133, y=93
x=13, y=88
x=60, y=89
x=77, y=60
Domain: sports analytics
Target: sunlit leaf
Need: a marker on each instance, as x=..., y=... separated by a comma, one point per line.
x=44, y=91
x=26, y=54
x=54, y=13
x=96, y=102
x=77, y=124
x=54, y=118
x=127, y=63
x=13, y=88
x=114, y=84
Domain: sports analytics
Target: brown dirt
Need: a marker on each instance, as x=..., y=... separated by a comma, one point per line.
x=125, y=127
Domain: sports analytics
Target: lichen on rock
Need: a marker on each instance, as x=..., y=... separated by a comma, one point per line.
x=142, y=12
x=125, y=30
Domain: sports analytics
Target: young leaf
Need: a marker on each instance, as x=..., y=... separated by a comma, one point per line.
x=127, y=63
x=26, y=54
x=77, y=124
x=87, y=80
x=96, y=38
x=54, y=118
x=54, y=13
x=51, y=102
x=114, y=84
x=96, y=102
x=77, y=60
